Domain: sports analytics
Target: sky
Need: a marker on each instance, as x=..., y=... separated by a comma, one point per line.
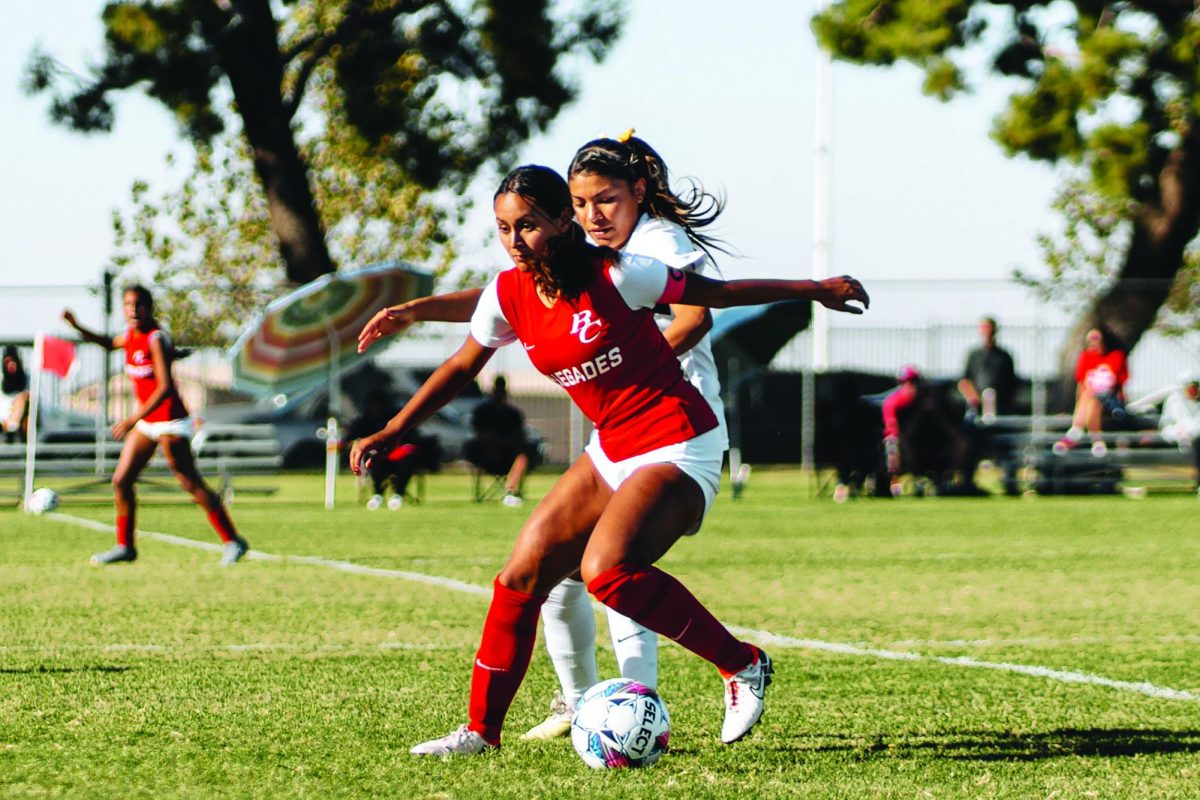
x=926, y=210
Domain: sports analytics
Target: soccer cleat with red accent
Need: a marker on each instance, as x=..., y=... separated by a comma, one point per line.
x=462, y=742
x=744, y=693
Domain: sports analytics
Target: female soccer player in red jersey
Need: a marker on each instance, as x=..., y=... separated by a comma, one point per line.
x=645, y=481
x=622, y=197
x=160, y=418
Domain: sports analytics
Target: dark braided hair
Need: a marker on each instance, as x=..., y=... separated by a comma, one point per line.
x=629, y=158
x=564, y=269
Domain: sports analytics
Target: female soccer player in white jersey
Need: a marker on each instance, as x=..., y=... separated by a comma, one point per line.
x=160, y=418
x=647, y=479
x=621, y=193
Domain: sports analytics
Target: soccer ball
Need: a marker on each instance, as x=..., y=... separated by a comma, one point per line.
x=42, y=500
x=620, y=723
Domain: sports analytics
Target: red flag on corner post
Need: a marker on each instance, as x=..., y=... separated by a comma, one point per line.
x=58, y=356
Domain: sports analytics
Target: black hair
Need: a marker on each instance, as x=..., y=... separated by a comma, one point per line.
x=142, y=293
x=630, y=159
x=17, y=380
x=563, y=270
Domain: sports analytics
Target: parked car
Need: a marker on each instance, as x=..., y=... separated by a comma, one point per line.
x=300, y=419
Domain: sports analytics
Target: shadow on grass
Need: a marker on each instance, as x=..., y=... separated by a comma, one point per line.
x=42, y=669
x=1013, y=746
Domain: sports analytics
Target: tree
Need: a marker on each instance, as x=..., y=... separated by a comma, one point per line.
x=216, y=259
x=438, y=87
x=1111, y=88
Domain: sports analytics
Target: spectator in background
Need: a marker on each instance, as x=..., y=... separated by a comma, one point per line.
x=1100, y=375
x=14, y=397
x=395, y=468
x=500, y=445
x=989, y=387
x=1179, y=421
x=989, y=381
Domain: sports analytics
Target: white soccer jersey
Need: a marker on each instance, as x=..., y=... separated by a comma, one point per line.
x=666, y=241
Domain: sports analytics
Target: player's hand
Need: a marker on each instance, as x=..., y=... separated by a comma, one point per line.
x=122, y=428
x=362, y=451
x=386, y=322
x=838, y=293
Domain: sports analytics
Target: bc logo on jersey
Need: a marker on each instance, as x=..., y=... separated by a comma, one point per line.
x=582, y=324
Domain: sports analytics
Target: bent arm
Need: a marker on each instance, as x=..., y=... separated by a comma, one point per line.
x=833, y=293
x=690, y=325
x=162, y=378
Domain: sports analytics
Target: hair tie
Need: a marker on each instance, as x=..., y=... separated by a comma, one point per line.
x=627, y=135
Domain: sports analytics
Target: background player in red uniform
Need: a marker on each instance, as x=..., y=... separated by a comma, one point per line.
x=653, y=470
x=160, y=418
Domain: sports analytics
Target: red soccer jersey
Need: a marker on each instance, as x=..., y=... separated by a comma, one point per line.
x=139, y=366
x=611, y=358
x=1102, y=371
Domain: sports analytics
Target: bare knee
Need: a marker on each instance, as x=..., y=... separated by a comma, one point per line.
x=122, y=485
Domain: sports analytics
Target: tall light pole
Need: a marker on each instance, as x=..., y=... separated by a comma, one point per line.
x=822, y=153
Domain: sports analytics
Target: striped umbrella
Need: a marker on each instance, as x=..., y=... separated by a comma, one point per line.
x=303, y=339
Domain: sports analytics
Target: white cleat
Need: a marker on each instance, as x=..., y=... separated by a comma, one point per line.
x=233, y=551
x=395, y=502
x=744, y=698
x=462, y=742
x=375, y=502
x=512, y=500
x=555, y=726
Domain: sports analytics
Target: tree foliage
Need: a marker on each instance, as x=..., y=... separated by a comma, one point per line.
x=436, y=88
x=1110, y=89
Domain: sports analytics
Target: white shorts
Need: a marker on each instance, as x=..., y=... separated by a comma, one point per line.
x=172, y=427
x=699, y=458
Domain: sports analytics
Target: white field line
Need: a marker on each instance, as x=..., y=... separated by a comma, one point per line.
x=764, y=637
x=248, y=647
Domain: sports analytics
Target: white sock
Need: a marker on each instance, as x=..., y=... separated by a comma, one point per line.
x=569, y=627
x=636, y=649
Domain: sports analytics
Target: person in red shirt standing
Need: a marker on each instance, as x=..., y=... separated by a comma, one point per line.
x=1100, y=375
x=584, y=315
x=160, y=418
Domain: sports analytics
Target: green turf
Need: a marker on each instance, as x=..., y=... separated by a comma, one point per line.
x=174, y=677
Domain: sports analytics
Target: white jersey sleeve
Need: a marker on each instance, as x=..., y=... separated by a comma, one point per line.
x=489, y=326
x=666, y=242
x=642, y=281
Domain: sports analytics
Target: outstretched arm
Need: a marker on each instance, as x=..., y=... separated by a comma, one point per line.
x=833, y=293
x=108, y=343
x=446, y=382
x=451, y=307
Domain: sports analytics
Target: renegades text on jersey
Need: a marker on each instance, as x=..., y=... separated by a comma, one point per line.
x=612, y=359
x=139, y=366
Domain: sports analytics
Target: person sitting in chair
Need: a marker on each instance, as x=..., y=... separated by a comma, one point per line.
x=499, y=446
x=395, y=468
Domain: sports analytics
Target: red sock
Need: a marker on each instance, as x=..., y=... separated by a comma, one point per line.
x=222, y=524
x=655, y=600
x=508, y=636
x=125, y=530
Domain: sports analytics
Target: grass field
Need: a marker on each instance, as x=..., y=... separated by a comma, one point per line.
x=924, y=648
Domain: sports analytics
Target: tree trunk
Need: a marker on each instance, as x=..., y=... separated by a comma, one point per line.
x=1161, y=232
x=248, y=50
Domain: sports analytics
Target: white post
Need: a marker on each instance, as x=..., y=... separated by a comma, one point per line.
x=332, y=442
x=823, y=130
x=35, y=391
x=332, y=435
